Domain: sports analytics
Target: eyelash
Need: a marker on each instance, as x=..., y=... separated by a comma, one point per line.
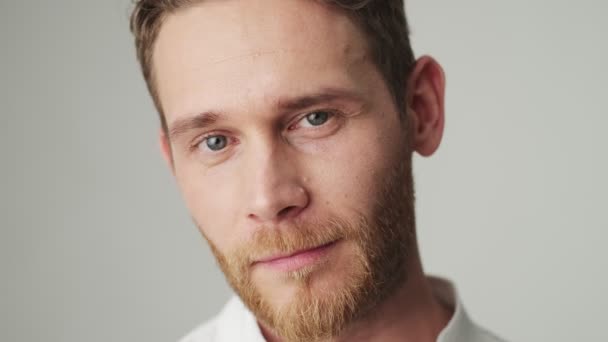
x=197, y=142
x=332, y=116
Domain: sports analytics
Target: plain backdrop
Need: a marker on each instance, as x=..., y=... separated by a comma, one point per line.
x=96, y=245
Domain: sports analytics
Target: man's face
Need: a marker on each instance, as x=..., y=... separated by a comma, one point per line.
x=290, y=155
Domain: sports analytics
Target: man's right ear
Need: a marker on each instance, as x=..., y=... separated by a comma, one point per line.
x=165, y=149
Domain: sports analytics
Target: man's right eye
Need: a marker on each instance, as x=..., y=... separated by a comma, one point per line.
x=214, y=142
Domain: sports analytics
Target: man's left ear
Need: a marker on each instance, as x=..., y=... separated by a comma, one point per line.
x=425, y=105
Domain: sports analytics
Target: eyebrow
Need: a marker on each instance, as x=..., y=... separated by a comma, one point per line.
x=209, y=118
x=198, y=121
x=323, y=96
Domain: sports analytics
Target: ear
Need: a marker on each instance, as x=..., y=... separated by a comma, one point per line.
x=426, y=96
x=165, y=149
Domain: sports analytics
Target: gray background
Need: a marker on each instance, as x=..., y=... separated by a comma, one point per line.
x=96, y=245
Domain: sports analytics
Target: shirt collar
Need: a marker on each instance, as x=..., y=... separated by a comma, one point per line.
x=460, y=327
x=237, y=323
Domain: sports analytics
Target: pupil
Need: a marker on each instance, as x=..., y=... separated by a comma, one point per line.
x=317, y=118
x=216, y=143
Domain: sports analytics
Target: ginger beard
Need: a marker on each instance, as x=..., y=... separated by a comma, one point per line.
x=377, y=266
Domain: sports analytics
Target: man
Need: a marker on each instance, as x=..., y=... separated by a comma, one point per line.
x=289, y=126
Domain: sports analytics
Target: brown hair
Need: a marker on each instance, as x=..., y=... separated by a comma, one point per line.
x=383, y=21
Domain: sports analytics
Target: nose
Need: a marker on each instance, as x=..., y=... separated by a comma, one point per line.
x=277, y=189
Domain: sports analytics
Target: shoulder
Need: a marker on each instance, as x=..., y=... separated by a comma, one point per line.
x=233, y=323
x=483, y=335
x=206, y=332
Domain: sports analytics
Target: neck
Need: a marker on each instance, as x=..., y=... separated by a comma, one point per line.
x=412, y=313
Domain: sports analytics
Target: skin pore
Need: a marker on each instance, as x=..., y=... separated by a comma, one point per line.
x=283, y=136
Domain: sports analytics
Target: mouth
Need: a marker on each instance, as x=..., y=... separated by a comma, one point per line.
x=296, y=260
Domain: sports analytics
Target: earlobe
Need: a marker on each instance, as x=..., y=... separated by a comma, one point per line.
x=426, y=94
x=165, y=149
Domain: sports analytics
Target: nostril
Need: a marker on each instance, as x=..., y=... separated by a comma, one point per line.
x=285, y=211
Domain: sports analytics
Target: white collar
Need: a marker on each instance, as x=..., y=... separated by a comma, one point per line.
x=236, y=323
x=460, y=327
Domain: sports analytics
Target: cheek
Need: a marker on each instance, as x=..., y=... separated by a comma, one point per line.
x=348, y=173
x=210, y=199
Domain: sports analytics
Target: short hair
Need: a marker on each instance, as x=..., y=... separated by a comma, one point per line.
x=383, y=22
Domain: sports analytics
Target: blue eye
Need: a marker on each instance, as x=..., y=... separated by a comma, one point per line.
x=216, y=142
x=317, y=118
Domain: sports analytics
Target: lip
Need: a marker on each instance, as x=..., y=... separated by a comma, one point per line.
x=296, y=260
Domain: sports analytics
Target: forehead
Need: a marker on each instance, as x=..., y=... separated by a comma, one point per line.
x=222, y=53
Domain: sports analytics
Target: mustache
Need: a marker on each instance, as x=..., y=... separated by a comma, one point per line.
x=286, y=239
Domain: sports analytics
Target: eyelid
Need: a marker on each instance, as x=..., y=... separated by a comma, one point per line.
x=194, y=146
x=332, y=114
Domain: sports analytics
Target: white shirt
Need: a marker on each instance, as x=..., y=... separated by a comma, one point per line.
x=235, y=323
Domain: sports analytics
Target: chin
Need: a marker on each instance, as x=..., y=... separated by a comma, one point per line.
x=317, y=282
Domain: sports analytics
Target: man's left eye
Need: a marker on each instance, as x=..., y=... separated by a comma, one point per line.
x=317, y=118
